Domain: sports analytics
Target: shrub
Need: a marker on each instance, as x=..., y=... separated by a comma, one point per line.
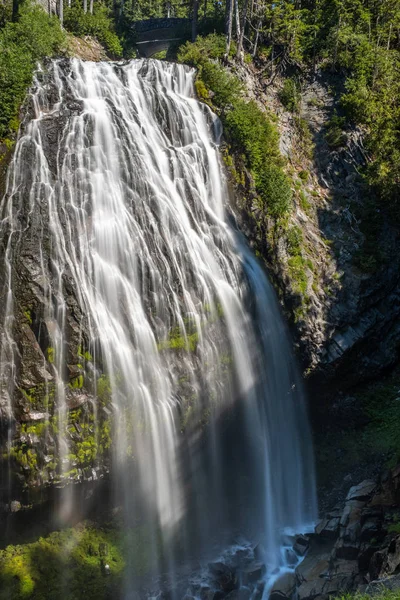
x=273, y=185
x=335, y=136
x=250, y=127
x=34, y=36
x=290, y=95
x=212, y=47
x=294, y=240
x=226, y=88
x=99, y=25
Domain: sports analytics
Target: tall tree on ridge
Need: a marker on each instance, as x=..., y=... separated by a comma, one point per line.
x=228, y=25
x=195, y=17
x=239, y=53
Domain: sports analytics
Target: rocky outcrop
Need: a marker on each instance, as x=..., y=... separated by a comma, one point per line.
x=356, y=545
x=346, y=318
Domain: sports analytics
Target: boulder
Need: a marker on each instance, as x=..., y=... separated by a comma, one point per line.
x=243, y=593
x=346, y=549
x=283, y=587
x=370, y=530
x=252, y=573
x=301, y=545
x=364, y=558
x=223, y=576
x=309, y=590
x=328, y=528
x=362, y=491
x=385, y=562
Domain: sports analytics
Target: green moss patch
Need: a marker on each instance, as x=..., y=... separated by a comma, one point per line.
x=67, y=565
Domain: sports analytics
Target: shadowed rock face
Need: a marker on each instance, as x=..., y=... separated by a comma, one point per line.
x=355, y=545
x=347, y=322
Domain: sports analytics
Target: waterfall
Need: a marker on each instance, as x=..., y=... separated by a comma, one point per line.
x=140, y=326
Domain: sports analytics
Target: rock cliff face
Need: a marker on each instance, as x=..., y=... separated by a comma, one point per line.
x=356, y=545
x=343, y=295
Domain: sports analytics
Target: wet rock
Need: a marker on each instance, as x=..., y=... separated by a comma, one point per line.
x=346, y=549
x=370, y=530
x=252, y=573
x=309, y=590
x=362, y=491
x=364, y=558
x=224, y=577
x=313, y=567
x=283, y=587
x=301, y=545
x=291, y=558
x=242, y=594
x=328, y=528
x=372, y=513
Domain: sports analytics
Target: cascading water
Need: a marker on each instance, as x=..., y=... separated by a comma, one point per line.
x=150, y=317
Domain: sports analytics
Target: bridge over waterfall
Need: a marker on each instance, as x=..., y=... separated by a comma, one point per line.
x=155, y=35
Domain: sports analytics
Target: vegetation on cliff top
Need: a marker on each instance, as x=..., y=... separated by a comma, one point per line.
x=250, y=130
x=22, y=44
x=29, y=36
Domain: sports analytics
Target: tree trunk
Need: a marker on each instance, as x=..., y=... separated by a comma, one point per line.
x=61, y=12
x=257, y=36
x=228, y=25
x=15, y=7
x=239, y=53
x=91, y=7
x=237, y=19
x=194, y=19
x=85, y=6
x=337, y=41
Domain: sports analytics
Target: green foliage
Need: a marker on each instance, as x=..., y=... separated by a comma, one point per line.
x=23, y=43
x=226, y=87
x=211, y=47
x=335, y=136
x=162, y=55
x=64, y=565
x=250, y=128
x=273, y=185
x=290, y=95
x=297, y=271
x=294, y=240
x=381, y=595
x=180, y=340
x=99, y=25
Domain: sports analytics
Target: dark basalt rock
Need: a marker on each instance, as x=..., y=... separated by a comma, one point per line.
x=362, y=550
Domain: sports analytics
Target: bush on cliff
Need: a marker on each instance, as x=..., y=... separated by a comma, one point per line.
x=251, y=131
x=23, y=43
x=99, y=25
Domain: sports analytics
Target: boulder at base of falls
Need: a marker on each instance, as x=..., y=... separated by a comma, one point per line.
x=243, y=593
x=224, y=577
x=283, y=587
x=353, y=546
